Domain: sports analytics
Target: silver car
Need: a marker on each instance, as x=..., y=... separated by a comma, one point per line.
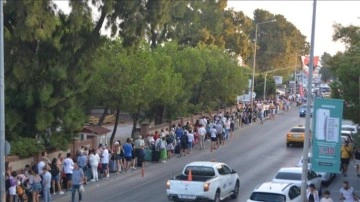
x=326, y=178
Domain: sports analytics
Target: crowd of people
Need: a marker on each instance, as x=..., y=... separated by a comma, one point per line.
x=71, y=173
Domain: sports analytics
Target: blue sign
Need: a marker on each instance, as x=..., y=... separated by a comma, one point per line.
x=326, y=138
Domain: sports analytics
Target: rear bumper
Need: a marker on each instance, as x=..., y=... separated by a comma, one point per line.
x=175, y=197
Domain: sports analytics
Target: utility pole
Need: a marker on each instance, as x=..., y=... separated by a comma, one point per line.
x=254, y=61
x=2, y=106
x=308, y=109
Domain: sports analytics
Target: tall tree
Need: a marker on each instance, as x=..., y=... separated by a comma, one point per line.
x=346, y=67
x=325, y=71
x=278, y=42
x=47, y=67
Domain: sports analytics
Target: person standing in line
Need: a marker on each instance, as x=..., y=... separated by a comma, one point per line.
x=163, y=152
x=68, y=169
x=202, y=134
x=46, y=184
x=261, y=115
x=357, y=160
x=94, y=160
x=133, y=154
x=119, y=153
x=35, y=185
x=127, y=154
x=312, y=195
x=326, y=197
x=347, y=193
x=227, y=128
x=77, y=180
x=213, y=134
x=82, y=161
x=104, y=160
x=190, y=140
x=55, y=176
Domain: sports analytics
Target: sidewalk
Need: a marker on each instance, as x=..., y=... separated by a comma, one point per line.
x=352, y=178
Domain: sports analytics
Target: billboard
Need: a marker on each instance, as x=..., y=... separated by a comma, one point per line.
x=326, y=127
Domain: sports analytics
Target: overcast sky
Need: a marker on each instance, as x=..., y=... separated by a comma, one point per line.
x=300, y=14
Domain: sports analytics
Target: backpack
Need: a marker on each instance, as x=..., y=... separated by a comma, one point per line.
x=184, y=139
x=54, y=170
x=169, y=139
x=158, y=145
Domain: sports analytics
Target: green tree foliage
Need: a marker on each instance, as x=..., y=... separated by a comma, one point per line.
x=326, y=74
x=47, y=58
x=278, y=43
x=235, y=33
x=259, y=87
x=346, y=67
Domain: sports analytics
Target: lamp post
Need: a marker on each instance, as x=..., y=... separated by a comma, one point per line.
x=254, y=62
x=2, y=106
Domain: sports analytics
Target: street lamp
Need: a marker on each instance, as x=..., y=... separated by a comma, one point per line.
x=254, y=62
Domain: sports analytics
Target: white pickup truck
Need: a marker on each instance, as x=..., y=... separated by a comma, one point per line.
x=211, y=181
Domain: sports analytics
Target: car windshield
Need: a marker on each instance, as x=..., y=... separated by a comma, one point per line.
x=288, y=176
x=348, y=129
x=267, y=197
x=200, y=171
x=297, y=130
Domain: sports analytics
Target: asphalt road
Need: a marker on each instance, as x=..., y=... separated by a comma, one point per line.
x=256, y=152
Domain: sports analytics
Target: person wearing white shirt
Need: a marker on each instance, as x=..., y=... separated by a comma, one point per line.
x=326, y=197
x=190, y=140
x=94, y=160
x=213, y=133
x=347, y=193
x=68, y=166
x=104, y=160
x=202, y=133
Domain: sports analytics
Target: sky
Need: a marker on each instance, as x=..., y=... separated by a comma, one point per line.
x=300, y=13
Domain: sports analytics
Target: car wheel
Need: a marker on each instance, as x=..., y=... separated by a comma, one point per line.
x=236, y=191
x=216, y=197
x=288, y=144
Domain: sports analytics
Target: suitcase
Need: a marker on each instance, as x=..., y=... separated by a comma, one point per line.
x=112, y=166
x=155, y=156
x=148, y=155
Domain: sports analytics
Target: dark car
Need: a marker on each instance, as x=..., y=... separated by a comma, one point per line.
x=302, y=110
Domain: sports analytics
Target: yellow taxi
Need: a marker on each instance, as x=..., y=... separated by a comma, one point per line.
x=296, y=135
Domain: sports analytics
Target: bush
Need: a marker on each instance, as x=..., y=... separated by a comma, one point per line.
x=26, y=147
x=60, y=142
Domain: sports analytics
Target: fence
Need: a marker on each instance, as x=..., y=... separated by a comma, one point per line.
x=14, y=163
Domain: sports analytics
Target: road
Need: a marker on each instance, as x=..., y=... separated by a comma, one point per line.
x=256, y=152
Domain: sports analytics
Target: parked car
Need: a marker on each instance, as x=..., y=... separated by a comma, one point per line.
x=293, y=175
x=351, y=128
x=276, y=192
x=204, y=180
x=296, y=135
x=326, y=178
x=348, y=134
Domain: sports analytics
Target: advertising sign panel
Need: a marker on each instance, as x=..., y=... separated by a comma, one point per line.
x=326, y=127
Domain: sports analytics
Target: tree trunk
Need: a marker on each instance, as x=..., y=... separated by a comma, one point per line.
x=102, y=118
x=115, y=126
x=135, y=120
x=159, y=114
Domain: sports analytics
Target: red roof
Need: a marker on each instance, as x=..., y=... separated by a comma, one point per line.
x=98, y=130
